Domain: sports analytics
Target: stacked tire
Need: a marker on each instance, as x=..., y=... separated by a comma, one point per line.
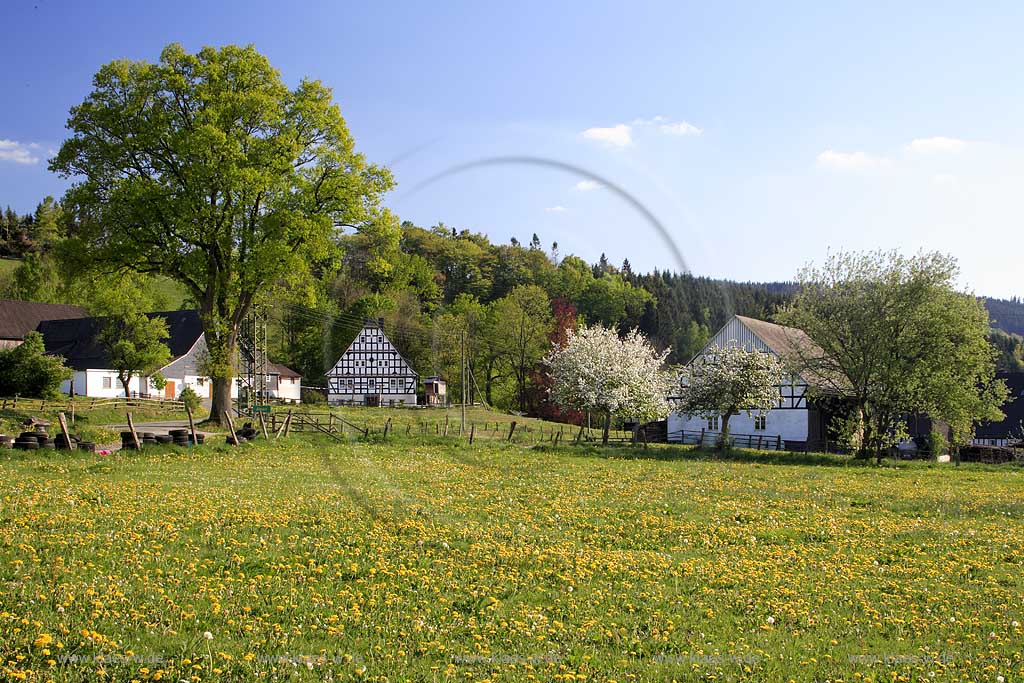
x=28, y=441
x=179, y=437
x=87, y=446
x=198, y=441
x=68, y=444
x=127, y=442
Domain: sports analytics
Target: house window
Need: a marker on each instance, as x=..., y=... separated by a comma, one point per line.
x=760, y=422
x=200, y=381
x=394, y=384
x=106, y=382
x=373, y=383
x=713, y=424
x=380, y=340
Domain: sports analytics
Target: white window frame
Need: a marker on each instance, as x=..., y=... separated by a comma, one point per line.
x=760, y=422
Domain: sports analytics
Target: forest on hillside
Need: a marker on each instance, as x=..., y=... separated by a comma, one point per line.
x=440, y=288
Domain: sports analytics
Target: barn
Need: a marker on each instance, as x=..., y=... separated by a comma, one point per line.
x=800, y=420
x=76, y=340
x=372, y=371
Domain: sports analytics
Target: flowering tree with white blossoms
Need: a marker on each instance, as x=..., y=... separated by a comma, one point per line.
x=726, y=381
x=598, y=371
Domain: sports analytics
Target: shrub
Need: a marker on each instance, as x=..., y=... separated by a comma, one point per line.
x=27, y=371
x=190, y=398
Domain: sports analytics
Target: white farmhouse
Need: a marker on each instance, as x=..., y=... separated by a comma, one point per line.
x=799, y=421
x=372, y=371
x=76, y=341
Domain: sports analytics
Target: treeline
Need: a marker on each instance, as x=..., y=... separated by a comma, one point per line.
x=440, y=290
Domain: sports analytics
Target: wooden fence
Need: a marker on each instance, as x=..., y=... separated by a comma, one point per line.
x=494, y=430
x=80, y=403
x=761, y=442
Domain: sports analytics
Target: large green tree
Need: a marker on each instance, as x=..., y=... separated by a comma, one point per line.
x=896, y=336
x=522, y=322
x=208, y=169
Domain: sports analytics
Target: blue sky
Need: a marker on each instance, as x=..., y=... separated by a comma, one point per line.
x=760, y=137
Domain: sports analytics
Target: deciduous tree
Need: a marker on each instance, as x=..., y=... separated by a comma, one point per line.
x=596, y=370
x=208, y=169
x=897, y=337
x=725, y=381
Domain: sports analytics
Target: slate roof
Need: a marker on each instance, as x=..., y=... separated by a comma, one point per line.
x=75, y=339
x=18, y=318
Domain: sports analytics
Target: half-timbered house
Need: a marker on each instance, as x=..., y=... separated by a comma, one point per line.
x=372, y=371
x=802, y=416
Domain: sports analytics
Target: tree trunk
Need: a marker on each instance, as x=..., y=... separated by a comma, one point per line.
x=221, y=399
x=221, y=351
x=723, y=445
x=607, y=426
x=126, y=383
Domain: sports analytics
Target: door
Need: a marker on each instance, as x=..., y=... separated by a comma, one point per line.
x=169, y=391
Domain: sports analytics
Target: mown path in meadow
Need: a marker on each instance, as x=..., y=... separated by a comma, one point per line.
x=436, y=561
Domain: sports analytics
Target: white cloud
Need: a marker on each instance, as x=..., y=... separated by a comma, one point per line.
x=617, y=136
x=680, y=128
x=621, y=135
x=18, y=152
x=850, y=160
x=945, y=179
x=587, y=185
x=936, y=144
x=555, y=209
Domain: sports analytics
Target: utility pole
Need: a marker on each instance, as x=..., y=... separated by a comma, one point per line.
x=462, y=426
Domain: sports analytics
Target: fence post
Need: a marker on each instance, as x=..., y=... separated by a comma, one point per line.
x=135, y=436
x=284, y=424
x=579, y=435
x=231, y=426
x=445, y=426
x=472, y=431
x=263, y=426
x=192, y=426
x=778, y=442
x=511, y=430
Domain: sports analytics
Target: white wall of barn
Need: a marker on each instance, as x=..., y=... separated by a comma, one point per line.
x=790, y=424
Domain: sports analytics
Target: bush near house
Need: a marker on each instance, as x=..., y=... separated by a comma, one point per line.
x=27, y=371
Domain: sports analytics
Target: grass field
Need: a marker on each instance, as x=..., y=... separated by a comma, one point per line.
x=485, y=423
x=429, y=560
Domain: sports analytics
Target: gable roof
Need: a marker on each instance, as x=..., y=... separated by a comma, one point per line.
x=76, y=339
x=797, y=351
x=282, y=370
x=378, y=325
x=18, y=318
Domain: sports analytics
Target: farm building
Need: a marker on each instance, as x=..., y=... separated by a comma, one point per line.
x=1010, y=430
x=799, y=421
x=76, y=341
x=18, y=318
x=372, y=371
x=435, y=391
